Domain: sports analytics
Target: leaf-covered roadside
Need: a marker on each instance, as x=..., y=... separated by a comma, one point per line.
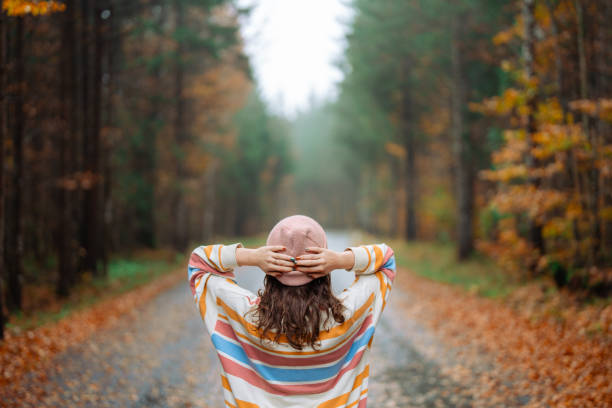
x=556, y=364
x=30, y=352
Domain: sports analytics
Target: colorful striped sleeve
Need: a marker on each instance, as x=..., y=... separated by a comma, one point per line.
x=215, y=259
x=210, y=272
x=375, y=271
x=371, y=259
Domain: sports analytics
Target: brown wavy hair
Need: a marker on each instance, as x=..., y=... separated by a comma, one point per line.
x=297, y=312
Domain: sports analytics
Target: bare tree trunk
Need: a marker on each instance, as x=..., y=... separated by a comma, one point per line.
x=410, y=179
x=394, y=202
x=209, y=200
x=91, y=58
x=554, y=24
x=463, y=179
x=180, y=239
x=95, y=230
x=528, y=6
x=603, y=67
x=106, y=142
x=3, y=137
x=146, y=152
x=410, y=167
x=593, y=178
x=14, y=231
x=563, y=101
x=65, y=227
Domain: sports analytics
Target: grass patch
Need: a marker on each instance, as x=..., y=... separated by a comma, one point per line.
x=127, y=274
x=438, y=261
x=124, y=273
x=253, y=241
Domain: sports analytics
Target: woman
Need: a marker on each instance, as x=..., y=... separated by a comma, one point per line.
x=296, y=344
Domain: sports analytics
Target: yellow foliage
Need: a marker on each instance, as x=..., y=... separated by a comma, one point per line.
x=543, y=176
x=550, y=112
x=435, y=123
x=606, y=213
x=556, y=227
x=395, y=149
x=37, y=8
x=523, y=110
x=507, y=66
x=504, y=37
x=548, y=170
x=528, y=199
x=584, y=106
x=500, y=105
x=605, y=109
x=512, y=152
x=601, y=108
x=554, y=138
x=507, y=173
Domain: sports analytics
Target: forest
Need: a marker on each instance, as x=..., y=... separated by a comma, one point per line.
x=128, y=125
x=117, y=116
x=486, y=124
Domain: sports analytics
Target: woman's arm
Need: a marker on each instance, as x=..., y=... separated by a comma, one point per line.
x=370, y=259
x=363, y=260
x=270, y=259
x=213, y=259
x=222, y=259
x=321, y=261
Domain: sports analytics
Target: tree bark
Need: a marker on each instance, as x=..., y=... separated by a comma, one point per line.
x=528, y=7
x=146, y=163
x=112, y=47
x=463, y=171
x=409, y=143
x=95, y=230
x=554, y=25
x=595, y=253
x=14, y=231
x=66, y=231
x=209, y=199
x=603, y=89
x=88, y=102
x=180, y=228
x=3, y=137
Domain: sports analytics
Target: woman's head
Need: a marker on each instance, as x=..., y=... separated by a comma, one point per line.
x=296, y=233
x=296, y=305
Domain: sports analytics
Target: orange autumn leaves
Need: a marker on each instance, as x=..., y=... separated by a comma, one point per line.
x=29, y=354
x=37, y=8
x=555, y=364
x=556, y=176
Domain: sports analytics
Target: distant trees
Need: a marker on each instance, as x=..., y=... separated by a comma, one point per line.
x=550, y=210
x=123, y=125
x=378, y=103
x=411, y=70
x=506, y=131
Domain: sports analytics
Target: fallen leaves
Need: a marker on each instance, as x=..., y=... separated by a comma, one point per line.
x=29, y=353
x=554, y=364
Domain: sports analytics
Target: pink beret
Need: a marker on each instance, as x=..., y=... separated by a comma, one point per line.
x=296, y=233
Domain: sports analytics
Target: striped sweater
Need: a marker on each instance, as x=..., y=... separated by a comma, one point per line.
x=269, y=374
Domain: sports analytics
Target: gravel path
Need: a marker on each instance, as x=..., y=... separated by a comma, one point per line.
x=160, y=356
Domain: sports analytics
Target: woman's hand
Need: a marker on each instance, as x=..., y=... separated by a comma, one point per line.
x=268, y=258
x=321, y=261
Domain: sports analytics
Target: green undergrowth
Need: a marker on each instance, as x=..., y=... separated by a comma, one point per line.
x=125, y=272
x=438, y=261
x=129, y=273
x=253, y=241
